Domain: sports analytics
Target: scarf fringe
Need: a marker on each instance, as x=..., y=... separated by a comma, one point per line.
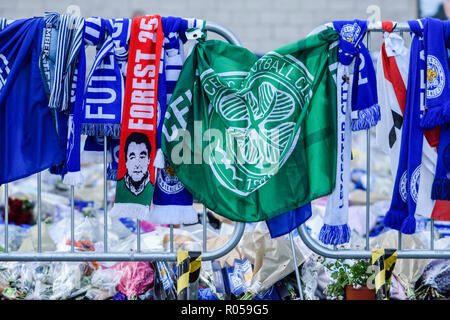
x=111, y=174
x=130, y=210
x=334, y=234
x=159, y=161
x=73, y=178
x=92, y=156
x=173, y=214
x=100, y=129
x=441, y=189
x=435, y=117
x=394, y=219
x=367, y=118
x=409, y=225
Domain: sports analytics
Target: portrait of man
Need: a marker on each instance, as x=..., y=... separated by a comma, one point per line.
x=137, y=159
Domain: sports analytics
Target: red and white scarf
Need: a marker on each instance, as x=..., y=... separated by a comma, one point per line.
x=139, y=111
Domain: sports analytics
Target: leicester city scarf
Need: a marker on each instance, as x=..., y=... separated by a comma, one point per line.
x=438, y=103
x=136, y=172
x=172, y=203
x=255, y=138
x=437, y=76
x=28, y=140
x=105, y=82
x=365, y=108
x=400, y=215
x=335, y=229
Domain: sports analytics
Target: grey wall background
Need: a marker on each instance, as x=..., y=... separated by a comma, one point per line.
x=261, y=25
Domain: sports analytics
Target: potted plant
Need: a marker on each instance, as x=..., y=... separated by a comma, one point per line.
x=350, y=281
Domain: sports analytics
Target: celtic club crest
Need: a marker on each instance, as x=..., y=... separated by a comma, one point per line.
x=257, y=115
x=435, y=77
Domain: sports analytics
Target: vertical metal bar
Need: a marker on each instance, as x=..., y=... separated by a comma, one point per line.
x=171, y=238
x=399, y=240
x=72, y=219
x=105, y=195
x=39, y=211
x=368, y=172
x=297, y=274
x=6, y=218
x=138, y=235
x=205, y=230
x=432, y=235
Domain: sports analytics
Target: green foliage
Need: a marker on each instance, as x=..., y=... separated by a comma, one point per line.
x=344, y=274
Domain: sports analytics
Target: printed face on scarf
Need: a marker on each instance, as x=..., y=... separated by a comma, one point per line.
x=137, y=152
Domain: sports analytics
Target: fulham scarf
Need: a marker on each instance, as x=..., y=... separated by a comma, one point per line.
x=136, y=173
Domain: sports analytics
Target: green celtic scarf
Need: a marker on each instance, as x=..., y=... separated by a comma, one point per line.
x=254, y=138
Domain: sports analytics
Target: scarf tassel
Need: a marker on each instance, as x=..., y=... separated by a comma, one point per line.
x=130, y=210
x=100, y=129
x=334, y=234
x=367, y=118
x=435, y=117
x=408, y=225
x=441, y=189
x=73, y=178
x=394, y=219
x=173, y=214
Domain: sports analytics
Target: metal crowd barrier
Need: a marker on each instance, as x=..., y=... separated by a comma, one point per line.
x=335, y=253
x=138, y=255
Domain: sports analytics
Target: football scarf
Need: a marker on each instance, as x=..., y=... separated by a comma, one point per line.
x=392, y=74
x=136, y=172
x=365, y=108
x=70, y=38
x=335, y=229
x=437, y=76
x=28, y=140
x=437, y=103
x=255, y=138
x=105, y=82
x=77, y=52
x=400, y=215
x=172, y=203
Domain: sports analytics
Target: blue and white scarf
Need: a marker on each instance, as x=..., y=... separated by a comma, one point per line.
x=105, y=84
x=404, y=200
x=441, y=183
x=73, y=175
x=365, y=108
x=28, y=140
x=172, y=203
x=437, y=76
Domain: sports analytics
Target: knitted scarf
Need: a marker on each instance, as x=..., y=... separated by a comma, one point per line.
x=365, y=108
x=136, y=172
x=403, y=206
x=172, y=203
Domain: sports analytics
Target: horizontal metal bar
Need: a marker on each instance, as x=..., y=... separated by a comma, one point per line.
x=125, y=256
x=366, y=254
x=399, y=27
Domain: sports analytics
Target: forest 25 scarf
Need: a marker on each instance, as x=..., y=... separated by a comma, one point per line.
x=403, y=206
x=365, y=108
x=172, y=203
x=136, y=173
x=249, y=127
